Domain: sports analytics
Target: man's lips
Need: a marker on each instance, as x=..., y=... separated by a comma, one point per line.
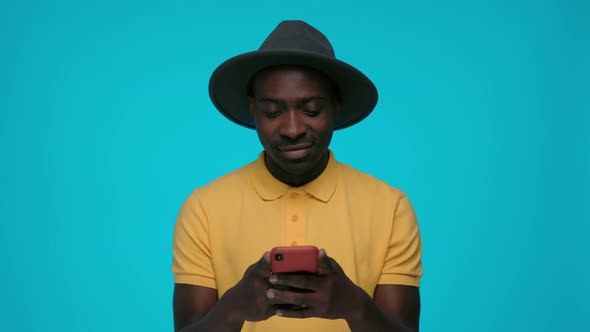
x=294, y=147
x=295, y=151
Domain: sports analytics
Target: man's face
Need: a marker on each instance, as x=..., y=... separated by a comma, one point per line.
x=294, y=110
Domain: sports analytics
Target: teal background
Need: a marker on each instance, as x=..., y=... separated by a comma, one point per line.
x=106, y=127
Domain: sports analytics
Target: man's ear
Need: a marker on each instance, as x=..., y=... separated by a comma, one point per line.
x=251, y=106
x=338, y=107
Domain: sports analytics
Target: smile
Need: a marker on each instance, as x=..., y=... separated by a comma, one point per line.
x=296, y=151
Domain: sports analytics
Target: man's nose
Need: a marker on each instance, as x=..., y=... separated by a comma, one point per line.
x=293, y=126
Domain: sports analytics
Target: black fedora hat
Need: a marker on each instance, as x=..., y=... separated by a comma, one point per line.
x=291, y=43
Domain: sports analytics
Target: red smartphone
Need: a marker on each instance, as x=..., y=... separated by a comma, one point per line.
x=294, y=259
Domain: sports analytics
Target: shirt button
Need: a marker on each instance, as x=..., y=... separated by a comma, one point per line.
x=294, y=243
x=294, y=195
x=294, y=218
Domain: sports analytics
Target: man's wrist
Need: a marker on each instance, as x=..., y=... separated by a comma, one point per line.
x=361, y=307
x=230, y=312
x=222, y=317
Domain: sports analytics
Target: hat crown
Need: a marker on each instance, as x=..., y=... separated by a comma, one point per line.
x=298, y=36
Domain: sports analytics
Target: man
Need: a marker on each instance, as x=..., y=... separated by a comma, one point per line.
x=295, y=94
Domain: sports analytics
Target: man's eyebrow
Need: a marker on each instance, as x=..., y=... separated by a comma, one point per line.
x=299, y=101
x=308, y=99
x=270, y=100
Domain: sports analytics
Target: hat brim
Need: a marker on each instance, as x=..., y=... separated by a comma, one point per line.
x=228, y=84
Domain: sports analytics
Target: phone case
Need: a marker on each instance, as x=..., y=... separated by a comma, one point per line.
x=294, y=259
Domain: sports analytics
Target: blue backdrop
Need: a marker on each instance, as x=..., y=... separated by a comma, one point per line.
x=106, y=126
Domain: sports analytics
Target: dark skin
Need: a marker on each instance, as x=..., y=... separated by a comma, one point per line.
x=294, y=109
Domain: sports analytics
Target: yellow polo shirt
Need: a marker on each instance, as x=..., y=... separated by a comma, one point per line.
x=366, y=225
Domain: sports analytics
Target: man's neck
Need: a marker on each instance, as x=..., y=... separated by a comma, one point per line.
x=297, y=180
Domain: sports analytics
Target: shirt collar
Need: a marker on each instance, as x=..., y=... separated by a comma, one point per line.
x=270, y=188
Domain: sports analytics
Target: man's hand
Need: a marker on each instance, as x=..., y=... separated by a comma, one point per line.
x=248, y=296
x=330, y=294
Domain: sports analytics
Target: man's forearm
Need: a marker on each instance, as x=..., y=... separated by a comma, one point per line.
x=373, y=319
x=219, y=318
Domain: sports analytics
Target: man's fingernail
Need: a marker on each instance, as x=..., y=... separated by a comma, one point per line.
x=273, y=279
x=270, y=294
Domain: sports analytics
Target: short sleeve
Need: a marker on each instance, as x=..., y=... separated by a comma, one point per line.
x=403, y=262
x=192, y=262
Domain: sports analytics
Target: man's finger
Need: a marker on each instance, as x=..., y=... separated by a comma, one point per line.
x=300, y=281
x=325, y=263
x=305, y=312
x=263, y=263
x=277, y=296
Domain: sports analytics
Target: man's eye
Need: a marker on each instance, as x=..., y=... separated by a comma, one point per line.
x=269, y=110
x=311, y=113
x=271, y=114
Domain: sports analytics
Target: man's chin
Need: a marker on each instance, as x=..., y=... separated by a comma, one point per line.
x=296, y=167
